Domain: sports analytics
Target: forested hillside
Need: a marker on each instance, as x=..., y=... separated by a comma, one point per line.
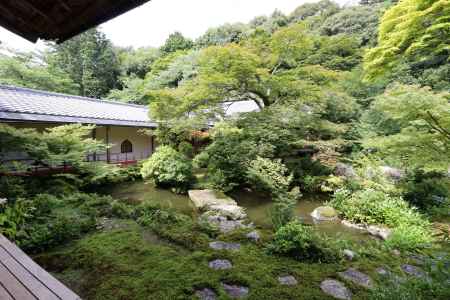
x=353, y=118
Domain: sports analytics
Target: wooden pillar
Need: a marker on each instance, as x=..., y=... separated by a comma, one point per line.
x=153, y=145
x=108, y=152
x=94, y=136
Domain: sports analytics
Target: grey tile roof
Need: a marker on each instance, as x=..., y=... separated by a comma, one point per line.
x=23, y=104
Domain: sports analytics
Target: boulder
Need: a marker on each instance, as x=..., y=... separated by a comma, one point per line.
x=356, y=277
x=392, y=173
x=229, y=211
x=235, y=291
x=344, y=170
x=218, y=245
x=220, y=264
x=223, y=224
x=381, y=232
x=203, y=199
x=253, y=236
x=349, y=254
x=335, y=289
x=324, y=213
x=287, y=280
x=206, y=294
x=413, y=271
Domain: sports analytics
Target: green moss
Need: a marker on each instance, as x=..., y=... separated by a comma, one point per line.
x=132, y=266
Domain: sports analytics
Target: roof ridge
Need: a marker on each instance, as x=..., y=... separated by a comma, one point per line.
x=47, y=93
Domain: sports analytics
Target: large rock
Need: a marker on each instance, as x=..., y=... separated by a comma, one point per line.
x=344, y=170
x=392, y=173
x=335, y=289
x=324, y=213
x=253, y=236
x=203, y=199
x=356, y=277
x=287, y=280
x=230, y=211
x=381, y=232
x=235, y=291
x=218, y=245
x=223, y=224
x=413, y=271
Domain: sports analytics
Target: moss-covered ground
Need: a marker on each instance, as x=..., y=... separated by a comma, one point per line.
x=127, y=261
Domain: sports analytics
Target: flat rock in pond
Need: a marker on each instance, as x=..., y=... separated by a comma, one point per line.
x=220, y=264
x=356, y=277
x=218, y=245
x=203, y=199
x=206, y=294
x=413, y=271
x=235, y=291
x=324, y=213
x=335, y=289
x=287, y=280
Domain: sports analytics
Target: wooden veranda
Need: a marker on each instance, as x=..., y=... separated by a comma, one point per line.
x=22, y=279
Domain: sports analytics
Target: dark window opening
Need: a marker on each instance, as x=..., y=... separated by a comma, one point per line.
x=126, y=147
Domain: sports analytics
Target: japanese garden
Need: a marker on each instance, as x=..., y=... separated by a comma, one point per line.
x=297, y=156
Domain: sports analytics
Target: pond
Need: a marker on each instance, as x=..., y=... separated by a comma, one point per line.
x=257, y=206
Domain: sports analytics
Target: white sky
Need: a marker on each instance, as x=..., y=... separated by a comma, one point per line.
x=150, y=24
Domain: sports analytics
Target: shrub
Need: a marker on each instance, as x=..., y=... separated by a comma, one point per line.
x=270, y=176
x=120, y=210
x=282, y=211
x=186, y=149
x=302, y=243
x=369, y=206
x=168, y=168
x=11, y=187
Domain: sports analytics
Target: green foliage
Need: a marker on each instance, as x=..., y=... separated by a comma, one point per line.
x=361, y=21
x=89, y=60
x=55, y=145
x=302, y=243
x=369, y=206
x=168, y=168
x=28, y=70
x=410, y=124
x=412, y=31
x=282, y=211
x=222, y=35
x=175, y=42
x=11, y=187
x=436, y=286
x=270, y=176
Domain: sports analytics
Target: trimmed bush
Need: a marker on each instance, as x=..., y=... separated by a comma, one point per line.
x=303, y=243
x=168, y=168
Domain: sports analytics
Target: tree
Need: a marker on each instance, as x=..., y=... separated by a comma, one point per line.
x=322, y=8
x=357, y=20
x=175, y=42
x=415, y=32
x=89, y=60
x=137, y=62
x=410, y=125
x=27, y=70
x=222, y=35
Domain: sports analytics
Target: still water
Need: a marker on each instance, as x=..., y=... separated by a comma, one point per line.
x=257, y=206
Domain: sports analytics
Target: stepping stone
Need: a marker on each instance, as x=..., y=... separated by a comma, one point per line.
x=356, y=277
x=220, y=264
x=413, y=271
x=335, y=289
x=224, y=246
x=254, y=236
x=206, y=294
x=287, y=280
x=235, y=291
x=382, y=271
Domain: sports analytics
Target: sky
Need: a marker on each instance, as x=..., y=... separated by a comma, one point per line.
x=151, y=23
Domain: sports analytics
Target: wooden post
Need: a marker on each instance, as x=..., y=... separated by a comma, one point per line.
x=108, y=153
x=153, y=145
x=94, y=136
